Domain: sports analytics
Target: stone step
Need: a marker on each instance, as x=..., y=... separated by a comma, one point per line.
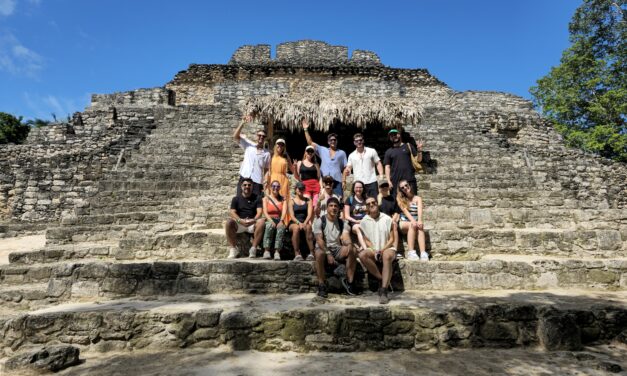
x=572, y=242
x=420, y=321
x=96, y=279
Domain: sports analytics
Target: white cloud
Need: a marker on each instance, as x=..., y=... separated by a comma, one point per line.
x=17, y=59
x=43, y=107
x=7, y=7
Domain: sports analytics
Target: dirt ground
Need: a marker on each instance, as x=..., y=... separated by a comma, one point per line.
x=21, y=243
x=600, y=360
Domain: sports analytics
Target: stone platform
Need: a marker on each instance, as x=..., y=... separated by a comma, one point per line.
x=421, y=321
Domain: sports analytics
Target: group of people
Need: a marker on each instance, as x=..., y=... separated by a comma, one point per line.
x=364, y=226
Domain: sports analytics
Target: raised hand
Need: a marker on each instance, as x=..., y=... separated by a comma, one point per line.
x=247, y=118
x=420, y=143
x=305, y=124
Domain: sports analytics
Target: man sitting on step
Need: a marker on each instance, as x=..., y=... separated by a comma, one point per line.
x=379, y=236
x=246, y=215
x=333, y=245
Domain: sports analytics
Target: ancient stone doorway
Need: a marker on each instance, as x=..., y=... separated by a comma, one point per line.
x=375, y=135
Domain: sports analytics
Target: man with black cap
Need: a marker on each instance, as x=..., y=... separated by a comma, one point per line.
x=397, y=162
x=333, y=245
x=332, y=160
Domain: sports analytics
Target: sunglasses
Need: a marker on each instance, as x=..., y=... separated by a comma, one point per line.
x=247, y=185
x=371, y=203
x=359, y=141
x=406, y=186
x=332, y=140
x=261, y=135
x=309, y=151
x=276, y=186
x=328, y=183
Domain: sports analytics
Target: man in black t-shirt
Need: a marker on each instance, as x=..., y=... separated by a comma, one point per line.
x=397, y=162
x=246, y=215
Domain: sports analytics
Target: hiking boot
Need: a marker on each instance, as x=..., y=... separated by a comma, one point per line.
x=383, y=296
x=322, y=291
x=233, y=253
x=411, y=255
x=266, y=255
x=350, y=290
x=252, y=253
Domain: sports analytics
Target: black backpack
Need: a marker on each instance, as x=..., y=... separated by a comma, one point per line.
x=340, y=222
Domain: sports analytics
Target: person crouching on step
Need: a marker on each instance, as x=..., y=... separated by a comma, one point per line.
x=333, y=246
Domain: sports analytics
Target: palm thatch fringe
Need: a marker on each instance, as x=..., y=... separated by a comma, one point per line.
x=322, y=112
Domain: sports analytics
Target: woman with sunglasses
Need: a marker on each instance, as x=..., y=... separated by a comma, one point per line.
x=279, y=165
x=326, y=193
x=301, y=213
x=275, y=211
x=308, y=172
x=411, y=222
x=355, y=210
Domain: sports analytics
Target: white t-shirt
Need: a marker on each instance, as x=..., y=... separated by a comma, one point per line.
x=255, y=161
x=364, y=165
x=377, y=230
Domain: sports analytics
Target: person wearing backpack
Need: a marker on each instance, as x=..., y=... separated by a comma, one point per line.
x=333, y=246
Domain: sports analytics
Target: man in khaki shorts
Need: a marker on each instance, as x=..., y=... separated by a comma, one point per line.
x=246, y=215
x=379, y=236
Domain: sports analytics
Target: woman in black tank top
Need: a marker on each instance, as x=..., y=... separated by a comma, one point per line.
x=301, y=213
x=308, y=172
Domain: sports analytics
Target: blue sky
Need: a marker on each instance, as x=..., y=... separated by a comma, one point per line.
x=55, y=53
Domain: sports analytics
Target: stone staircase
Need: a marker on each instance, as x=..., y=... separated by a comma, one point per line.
x=518, y=258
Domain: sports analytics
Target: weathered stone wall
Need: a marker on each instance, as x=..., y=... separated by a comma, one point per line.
x=210, y=84
x=59, y=168
x=153, y=97
x=472, y=324
x=303, y=53
x=600, y=182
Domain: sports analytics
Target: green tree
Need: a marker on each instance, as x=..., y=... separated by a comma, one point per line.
x=586, y=95
x=12, y=130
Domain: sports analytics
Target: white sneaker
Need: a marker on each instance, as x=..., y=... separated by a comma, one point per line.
x=266, y=255
x=277, y=255
x=424, y=256
x=233, y=253
x=411, y=255
x=252, y=253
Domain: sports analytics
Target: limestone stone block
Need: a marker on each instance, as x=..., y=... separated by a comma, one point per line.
x=82, y=289
x=559, y=331
x=44, y=359
x=602, y=276
x=609, y=240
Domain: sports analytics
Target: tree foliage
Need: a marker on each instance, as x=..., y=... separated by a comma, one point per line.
x=586, y=95
x=12, y=130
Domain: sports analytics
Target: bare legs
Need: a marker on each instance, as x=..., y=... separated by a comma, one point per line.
x=367, y=259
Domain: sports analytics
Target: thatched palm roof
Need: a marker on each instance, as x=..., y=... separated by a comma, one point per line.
x=324, y=111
